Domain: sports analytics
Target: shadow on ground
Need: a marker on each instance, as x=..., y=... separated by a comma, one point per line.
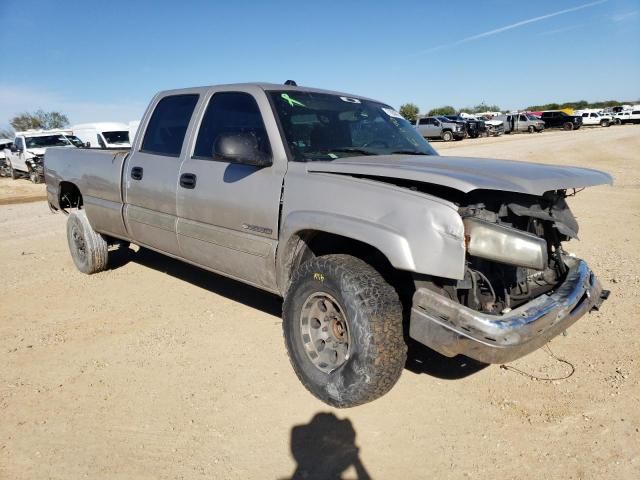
x=325, y=448
x=218, y=284
x=420, y=359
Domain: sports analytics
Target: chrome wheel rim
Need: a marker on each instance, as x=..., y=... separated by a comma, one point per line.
x=325, y=332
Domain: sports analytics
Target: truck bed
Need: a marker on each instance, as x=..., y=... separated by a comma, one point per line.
x=98, y=175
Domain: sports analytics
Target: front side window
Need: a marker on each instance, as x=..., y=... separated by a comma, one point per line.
x=19, y=143
x=230, y=113
x=321, y=126
x=117, y=137
x=523, y=118
x=168, y=125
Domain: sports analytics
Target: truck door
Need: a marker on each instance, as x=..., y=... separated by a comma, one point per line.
x=150, y=178
x=228, y=212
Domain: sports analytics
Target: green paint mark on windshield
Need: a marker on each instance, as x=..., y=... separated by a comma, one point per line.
x=292, y=102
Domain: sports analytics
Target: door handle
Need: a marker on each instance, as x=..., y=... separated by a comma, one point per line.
x=136, y=173
x=188, y=180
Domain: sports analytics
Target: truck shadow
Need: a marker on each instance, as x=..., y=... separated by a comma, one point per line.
x=420, y=359
x=423, y=360
x=218, y=284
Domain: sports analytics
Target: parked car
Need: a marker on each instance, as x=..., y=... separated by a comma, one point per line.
x=521, y=122
x=560, y=119
x=473, y=127
x=338, y=204
x=591, y=118
x=26, y=154
x=628, y=116
x=5, y=143
x=103, y=134
x=441, y=128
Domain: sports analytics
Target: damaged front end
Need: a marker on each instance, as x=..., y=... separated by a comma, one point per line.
x=520, y=287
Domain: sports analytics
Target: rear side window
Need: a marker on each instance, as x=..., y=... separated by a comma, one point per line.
x=168, y=125
x=230, y=112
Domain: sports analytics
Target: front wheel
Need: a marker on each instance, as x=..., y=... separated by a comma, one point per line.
x=34, y=176
x=14, y=174
x=342, y=325
x=447, y=136
x=568, y=126
x=604, y=123
x=531, y=129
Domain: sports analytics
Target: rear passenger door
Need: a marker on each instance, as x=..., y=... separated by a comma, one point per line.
x=228, y=212
x=151, y=174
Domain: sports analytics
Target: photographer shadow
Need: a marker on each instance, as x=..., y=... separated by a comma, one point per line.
x=325, y=449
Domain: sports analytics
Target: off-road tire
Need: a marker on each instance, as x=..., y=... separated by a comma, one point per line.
x=373, y=314
x=531, y=129
x=14, y=175
x=447, y=136
x=88, y=249
x=568, y=126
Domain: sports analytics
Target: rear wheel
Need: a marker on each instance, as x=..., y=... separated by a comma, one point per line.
x=88, y=248
x=447, y=136
x=568, y=126
x=342, y=325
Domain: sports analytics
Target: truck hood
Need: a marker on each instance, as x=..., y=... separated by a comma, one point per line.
x=466, y=174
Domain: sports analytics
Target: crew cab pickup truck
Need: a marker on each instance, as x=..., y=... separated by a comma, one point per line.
x=560, y=119
x=440, y=127
x=336, y=203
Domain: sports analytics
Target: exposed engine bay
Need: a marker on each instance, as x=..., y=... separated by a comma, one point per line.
x=521, y=256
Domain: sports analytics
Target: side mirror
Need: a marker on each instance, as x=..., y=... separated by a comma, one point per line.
x=240, y=148
x=13, y=148
x=87, y=145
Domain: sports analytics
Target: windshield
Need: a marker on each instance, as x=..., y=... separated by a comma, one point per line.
x=74, y=140
x=47, y=141
x=533, y=118
x=117, y=138
x=319, y=126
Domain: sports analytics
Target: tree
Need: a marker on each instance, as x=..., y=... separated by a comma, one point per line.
x=409, y=111
x=482, y=107
x=7, y=133
x=39, y=120
x=444, y=110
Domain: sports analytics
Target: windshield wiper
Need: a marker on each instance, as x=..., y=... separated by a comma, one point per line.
x=407, y=152
x=353, y=150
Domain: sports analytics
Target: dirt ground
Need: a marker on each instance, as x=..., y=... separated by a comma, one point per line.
x=155, y=369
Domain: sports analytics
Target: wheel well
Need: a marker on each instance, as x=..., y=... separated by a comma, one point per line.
x=69, y=196
x=313, y=243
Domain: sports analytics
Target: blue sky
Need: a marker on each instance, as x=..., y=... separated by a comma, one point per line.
x=104, y=60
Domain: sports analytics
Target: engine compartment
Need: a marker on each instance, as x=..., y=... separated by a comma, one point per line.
x=496, y=287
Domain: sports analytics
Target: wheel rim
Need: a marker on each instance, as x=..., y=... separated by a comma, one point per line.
x=79, y=244
x=325, y=332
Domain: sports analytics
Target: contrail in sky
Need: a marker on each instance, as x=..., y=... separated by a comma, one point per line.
x=511, y=27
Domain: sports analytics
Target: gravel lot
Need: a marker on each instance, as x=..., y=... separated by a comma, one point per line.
x=155, y=369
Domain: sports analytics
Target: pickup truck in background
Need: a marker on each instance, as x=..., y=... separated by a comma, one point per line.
x=25, y=155
x=440, y=128
x=560, y=119
x=336, y=203
x=473, y=127
x=592, y=118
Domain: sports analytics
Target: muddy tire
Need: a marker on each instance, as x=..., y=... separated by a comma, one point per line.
x=88, y=248
x=447, y=136
x=342, y=326
x=568, y=126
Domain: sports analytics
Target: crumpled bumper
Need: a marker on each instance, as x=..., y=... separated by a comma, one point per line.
x=452, y=329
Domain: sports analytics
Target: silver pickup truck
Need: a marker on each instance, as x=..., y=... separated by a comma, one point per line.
x=336, y=203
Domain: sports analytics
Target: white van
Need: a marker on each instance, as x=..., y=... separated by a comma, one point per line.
x=103, y=134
